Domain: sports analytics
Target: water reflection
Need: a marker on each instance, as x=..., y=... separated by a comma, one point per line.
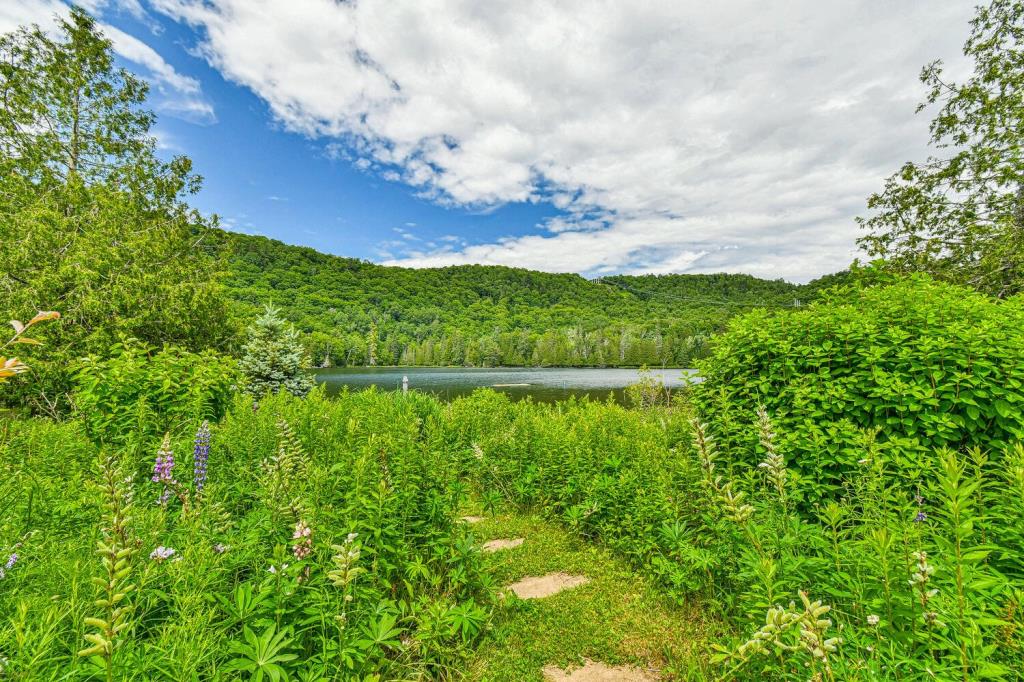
x=545, y=384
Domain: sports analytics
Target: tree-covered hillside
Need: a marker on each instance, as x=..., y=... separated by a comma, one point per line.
x=355, y=313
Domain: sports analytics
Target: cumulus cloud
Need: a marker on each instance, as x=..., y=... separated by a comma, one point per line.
x=676, y=135
x=177, y=94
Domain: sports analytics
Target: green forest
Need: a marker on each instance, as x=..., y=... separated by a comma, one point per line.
x=357, y=313
x=840, y=498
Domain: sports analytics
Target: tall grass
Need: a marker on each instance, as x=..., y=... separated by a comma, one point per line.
x=894, y=578
x=324, y=545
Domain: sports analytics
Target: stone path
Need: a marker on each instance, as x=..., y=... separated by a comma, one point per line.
x=593, y=671
x=495, y=545
x=538, y=587
x=541, y=586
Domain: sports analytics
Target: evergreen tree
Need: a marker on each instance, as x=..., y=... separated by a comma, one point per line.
x=273, y=357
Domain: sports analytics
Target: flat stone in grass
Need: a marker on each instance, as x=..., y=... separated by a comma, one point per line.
x=472, y=519
x=537, y=587
x=495, y=545
x=593, y=671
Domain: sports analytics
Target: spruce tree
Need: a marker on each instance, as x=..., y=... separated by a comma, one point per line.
x=273, y=358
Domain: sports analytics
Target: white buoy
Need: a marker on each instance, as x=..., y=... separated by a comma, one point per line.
x=405, y=384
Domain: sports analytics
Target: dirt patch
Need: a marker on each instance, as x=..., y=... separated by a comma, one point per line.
x=536, y=587
x=593, y=671
x=495, y=545
x=472, y=519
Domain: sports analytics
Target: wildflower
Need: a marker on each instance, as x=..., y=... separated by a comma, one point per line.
x=478, y=451
x=303, y=537
x=161, y=553
x=200, y=455
x=8, y=565
x=919, y=582
x=873, y=620
x=220, y=548
x=274, y=569
x=863, y=460
x=921, y=517
x=345, y=569
x=163, y=469
x=774, y=464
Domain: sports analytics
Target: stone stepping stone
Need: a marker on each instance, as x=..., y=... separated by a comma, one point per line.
x=472, y=519
x=537, y=587
x=496, y=545
x=592, y=671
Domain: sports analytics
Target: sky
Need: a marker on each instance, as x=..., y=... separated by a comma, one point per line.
x=589, y=136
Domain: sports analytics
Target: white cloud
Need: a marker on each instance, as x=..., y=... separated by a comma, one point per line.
x=678, y=135
x=176, y=94
x=180, y=95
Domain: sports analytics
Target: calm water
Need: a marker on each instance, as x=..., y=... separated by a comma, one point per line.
x=546, y=384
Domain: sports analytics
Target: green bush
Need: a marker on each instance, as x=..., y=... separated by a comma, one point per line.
x=136, y=393
x=927, y=365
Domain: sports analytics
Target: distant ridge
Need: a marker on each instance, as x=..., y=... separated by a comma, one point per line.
x=355, y=312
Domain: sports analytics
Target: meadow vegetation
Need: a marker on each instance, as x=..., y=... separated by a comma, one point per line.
x=840, y=499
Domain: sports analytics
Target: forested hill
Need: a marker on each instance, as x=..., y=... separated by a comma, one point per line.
x=354, y=313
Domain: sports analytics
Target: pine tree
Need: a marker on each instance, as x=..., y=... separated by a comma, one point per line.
x=273, y=358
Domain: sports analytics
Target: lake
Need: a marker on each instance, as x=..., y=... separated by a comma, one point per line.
x=545, y=384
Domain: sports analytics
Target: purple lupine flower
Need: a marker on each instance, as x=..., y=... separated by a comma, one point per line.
x=8, y=565
x=163, y=469
x=162, y=553
x=200, y=455
x=921, y=517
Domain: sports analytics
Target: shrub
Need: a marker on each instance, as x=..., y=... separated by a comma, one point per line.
x=136, y=393
x=924, y=364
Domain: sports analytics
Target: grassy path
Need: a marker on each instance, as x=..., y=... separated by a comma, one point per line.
x=617, y=618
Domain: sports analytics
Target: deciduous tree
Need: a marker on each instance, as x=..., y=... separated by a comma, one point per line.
x=959, y=215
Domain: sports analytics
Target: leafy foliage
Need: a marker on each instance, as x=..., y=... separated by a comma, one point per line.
x=387, y=582
x=920, y=364
x=961, y=216
x=134, y=394
x=11, y=367
x=877, y=578
x=91, y=221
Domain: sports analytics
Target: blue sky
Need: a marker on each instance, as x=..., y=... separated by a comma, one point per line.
x=263, y=179
x=561, y=136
